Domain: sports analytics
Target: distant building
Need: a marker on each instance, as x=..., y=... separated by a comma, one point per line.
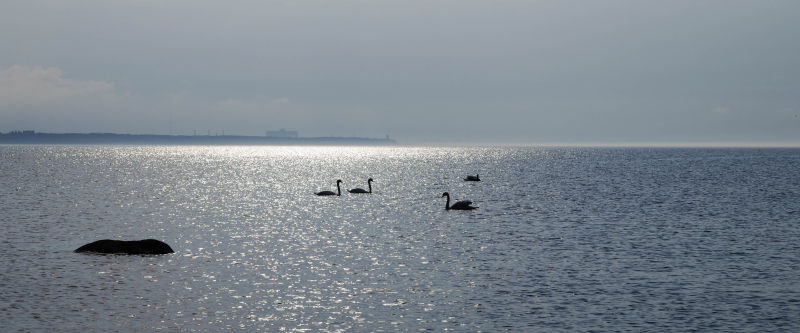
x=282, y=133
x=25, y=132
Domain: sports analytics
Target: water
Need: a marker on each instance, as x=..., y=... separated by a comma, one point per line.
x=565, y=239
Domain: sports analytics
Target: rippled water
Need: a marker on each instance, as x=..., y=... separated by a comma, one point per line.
x=565, y=239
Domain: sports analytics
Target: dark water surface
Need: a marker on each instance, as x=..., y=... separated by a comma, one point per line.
x=565, y=239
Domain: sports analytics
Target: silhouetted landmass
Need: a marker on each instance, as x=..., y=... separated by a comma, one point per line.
x=109, y=246
x=31, y=137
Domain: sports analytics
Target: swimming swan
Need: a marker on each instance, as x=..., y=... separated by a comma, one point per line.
x=338, y=190
x=473, y=178
x=461, y=205
x=361, y=190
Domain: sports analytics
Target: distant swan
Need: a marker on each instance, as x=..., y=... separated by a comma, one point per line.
x=338, y=190
x=361, y=190
x=474, y=178
x=461, y=205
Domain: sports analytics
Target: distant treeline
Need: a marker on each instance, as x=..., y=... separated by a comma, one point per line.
x=31, y=137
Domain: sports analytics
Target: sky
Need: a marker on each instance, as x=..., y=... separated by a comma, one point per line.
x=459, y=71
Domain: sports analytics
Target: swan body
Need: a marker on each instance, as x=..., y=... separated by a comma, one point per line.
x=460, y=205
x=361, y=190
x=474, y=178
x=338, y=190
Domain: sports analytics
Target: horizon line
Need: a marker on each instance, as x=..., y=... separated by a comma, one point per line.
x=620, y=144
x=576, y=144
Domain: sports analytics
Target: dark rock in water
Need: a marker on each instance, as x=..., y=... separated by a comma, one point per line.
x=145, y=246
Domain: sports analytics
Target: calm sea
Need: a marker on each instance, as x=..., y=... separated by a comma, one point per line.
x=565, y=239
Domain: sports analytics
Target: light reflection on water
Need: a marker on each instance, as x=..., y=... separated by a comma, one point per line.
x=565, y=239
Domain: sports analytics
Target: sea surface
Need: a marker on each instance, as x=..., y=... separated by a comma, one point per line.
x=565, y=239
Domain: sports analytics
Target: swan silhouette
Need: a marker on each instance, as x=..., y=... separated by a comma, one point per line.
x=460, y=205
x=473, y=178
x=361, y=190
x=338, y=190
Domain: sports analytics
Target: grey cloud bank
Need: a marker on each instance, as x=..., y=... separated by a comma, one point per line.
x=440, y=71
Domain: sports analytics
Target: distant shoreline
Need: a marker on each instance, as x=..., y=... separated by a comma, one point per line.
x=29, y=137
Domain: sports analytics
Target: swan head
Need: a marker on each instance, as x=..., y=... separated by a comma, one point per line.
x=445, y=194
x=338, y=181
x=370, y=180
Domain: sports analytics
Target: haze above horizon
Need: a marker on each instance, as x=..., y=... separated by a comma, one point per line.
x=718, y=72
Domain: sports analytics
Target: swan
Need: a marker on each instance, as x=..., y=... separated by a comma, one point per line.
x=473, y=178
x=361, y=190
x=461, y=205
x=338, y=190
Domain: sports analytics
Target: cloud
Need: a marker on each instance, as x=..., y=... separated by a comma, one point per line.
x=39, y=86
x=256, y=107
x=721, y=110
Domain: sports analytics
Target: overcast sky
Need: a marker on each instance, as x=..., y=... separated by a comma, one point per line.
x=420, y=71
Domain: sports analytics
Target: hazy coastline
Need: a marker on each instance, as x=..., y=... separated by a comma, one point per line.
x=30, y=137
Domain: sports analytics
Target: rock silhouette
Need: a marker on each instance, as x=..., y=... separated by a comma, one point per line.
x=145, y=246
